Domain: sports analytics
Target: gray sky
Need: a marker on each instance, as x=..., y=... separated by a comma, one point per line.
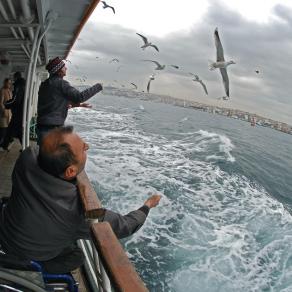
x=255, y=35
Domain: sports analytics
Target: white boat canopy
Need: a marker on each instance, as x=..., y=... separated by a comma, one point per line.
x=19, y=23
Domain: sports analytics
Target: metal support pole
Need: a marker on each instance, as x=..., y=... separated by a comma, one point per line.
x=27, y=89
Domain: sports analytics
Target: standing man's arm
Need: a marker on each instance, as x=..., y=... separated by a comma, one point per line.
x=75, y=96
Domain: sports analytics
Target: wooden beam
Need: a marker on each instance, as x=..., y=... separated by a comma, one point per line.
x=91, y=204
x=84, y=19
x=120, y=270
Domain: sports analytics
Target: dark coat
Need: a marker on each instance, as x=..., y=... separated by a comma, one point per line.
x=44, y=213
x=55, y=94
x=16, y=106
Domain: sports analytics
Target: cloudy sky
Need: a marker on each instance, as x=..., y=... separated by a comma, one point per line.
x=256, y=34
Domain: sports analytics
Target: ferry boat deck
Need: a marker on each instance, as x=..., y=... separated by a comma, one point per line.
x=31, y=31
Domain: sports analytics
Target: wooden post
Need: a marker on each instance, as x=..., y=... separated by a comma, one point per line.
x=91, y=204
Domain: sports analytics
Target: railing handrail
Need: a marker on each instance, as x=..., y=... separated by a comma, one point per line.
x=91, y=203
x=119, y=269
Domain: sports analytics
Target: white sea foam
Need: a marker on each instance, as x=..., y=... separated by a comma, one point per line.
x=213, y=231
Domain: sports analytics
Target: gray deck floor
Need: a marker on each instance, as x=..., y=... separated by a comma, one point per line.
x=7, y=161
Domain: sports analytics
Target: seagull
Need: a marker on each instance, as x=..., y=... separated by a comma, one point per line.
x=114, y=60
x=159, y=67
x=257, y=71
x=220, y=62
x=146, y=43
x=197, y=79
x=107, y=6
x=149, y=82
x=174, y=66
x=134, y=85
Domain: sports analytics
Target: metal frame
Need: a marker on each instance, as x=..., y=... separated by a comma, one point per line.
x=96, y=274
x=30, y=80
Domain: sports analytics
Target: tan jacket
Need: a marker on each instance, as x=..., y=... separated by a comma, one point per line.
x=5, y=114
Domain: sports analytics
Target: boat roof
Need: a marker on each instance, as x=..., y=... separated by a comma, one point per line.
x=18, y=25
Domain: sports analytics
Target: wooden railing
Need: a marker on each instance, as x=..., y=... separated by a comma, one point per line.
x=91, y=203
x=120, y=271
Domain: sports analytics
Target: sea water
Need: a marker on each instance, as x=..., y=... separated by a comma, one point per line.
x=224, y=222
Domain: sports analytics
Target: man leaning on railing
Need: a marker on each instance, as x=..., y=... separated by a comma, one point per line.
x=44, y=218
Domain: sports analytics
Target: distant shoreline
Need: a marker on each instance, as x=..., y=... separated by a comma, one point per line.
x=253, y=119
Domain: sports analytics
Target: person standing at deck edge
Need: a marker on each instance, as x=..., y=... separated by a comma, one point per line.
x=55, y=97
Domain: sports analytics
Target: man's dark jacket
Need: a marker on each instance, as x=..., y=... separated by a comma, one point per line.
x=44, y=214
x=16, y=106
x=55, y=95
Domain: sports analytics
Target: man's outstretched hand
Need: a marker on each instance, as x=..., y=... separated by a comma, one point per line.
x=153, y=201
x=84, y=104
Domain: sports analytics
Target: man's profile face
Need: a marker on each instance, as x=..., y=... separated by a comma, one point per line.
x=79, y=148
x=63, y=71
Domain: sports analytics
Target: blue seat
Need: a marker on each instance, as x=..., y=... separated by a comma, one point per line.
x=24, y=269
x=48, y=277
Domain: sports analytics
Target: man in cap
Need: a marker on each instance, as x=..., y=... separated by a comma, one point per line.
x=56, y=95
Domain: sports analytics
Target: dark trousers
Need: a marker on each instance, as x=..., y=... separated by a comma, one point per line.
x=68, y=260
x=42, y=131
x=2, y=134
x=13, y=131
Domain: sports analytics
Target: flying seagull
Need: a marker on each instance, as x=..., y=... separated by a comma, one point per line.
x=197, y=79
x=149, y=82
x=193, y=74
x=174, y=66
x=159, y=67
x=146, y=43
x=220, y=62
x=107, y=6
x=114, y=60
x=134, y=85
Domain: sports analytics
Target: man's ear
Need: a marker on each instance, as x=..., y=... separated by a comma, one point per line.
x=70, y=172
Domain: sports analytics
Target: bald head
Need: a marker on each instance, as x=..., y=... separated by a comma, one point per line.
x=62, y=153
